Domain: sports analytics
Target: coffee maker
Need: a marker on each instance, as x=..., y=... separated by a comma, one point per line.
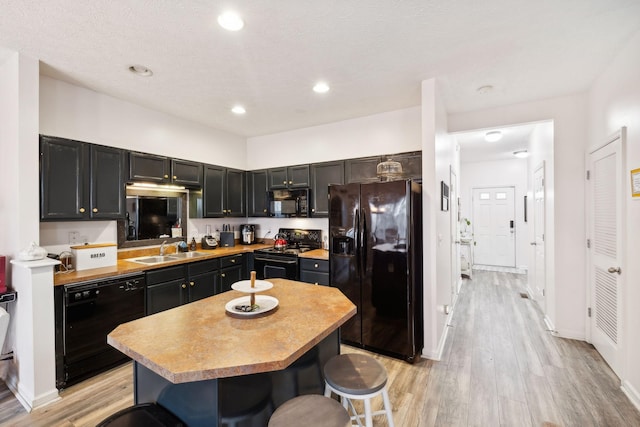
x=247, y=234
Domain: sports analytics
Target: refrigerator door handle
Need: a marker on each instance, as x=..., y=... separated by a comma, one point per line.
x=363, y=240
x=356, y=236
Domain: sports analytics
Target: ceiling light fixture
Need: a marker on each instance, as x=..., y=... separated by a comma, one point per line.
x=493, y=136
x=238, y=109
x=321, y=87
x=141, y=70
x=521, y=154
x=230, y=21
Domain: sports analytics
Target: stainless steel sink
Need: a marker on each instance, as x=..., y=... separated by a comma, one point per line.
x=183, y=255
x=153, y=259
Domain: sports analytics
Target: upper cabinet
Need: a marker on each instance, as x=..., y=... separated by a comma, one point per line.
x=322, y=175
x=361, y=170
x=80, y=181
x=411, y=163
x=144, y=167
x=289, y=177
x=223, y=194
x=257, y=187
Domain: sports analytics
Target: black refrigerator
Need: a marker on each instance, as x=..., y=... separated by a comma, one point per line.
x=375, y=259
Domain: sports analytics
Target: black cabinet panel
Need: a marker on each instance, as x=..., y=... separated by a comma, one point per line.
x=149, y=168
x=164, y=296
x=361, y=170
x=235, y=193
x=278, y=178
x=203, y=285
x=257, y=192
x=232, y=269
x=213, y=191
x=314, y=271
x=80, y=181
x=107, y=184
x=289, y=177
x=62, y=184
x=186, y=173
x=323, y=174
x=411, y=164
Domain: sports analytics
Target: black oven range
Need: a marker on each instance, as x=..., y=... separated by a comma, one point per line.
x=283, y=263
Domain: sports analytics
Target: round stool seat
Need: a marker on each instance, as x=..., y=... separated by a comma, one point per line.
x=144, y=414
x=355, y=374
x=311, y=410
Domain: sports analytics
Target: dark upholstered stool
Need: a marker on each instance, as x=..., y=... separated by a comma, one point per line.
x=358, y=377
x=310, y=410
x=146, y=414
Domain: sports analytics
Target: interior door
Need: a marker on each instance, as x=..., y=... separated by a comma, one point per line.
x=494, y=229
x=538, y=270
x=605, y=233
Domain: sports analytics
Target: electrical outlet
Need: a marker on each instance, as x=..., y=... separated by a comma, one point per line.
x=74, y=237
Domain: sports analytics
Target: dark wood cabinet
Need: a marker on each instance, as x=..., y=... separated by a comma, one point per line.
x=184, y=172
x=149, y=168
x=257, y=187
x=213, y=193
x=314, y=271
x=289, y=177
x=80, y=181
x=361, y=170
x=235, y=192
x=232, y=269
x=173, y=286
x=323, y=174
x=144, y=167
x=411, y=164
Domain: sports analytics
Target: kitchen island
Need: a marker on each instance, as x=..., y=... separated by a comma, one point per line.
x=206, y=365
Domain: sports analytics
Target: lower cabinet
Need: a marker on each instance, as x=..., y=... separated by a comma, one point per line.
x=173, y=286
x=232, y=269
x=314, y=271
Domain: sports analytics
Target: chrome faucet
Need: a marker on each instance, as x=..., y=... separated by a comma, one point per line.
x=162, y=248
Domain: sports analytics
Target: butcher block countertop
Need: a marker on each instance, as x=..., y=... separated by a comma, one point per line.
x=200, y=340
x=125, y=267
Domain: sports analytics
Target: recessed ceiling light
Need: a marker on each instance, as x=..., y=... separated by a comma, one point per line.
x=141, y=70
x=521, y=154
x=238, y=109
x=230, y=21
x=493, y=136
x=321, y=87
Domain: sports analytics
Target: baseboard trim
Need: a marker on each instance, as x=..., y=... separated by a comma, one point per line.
x=549, y=325
x=631, y=392
x=26, y=399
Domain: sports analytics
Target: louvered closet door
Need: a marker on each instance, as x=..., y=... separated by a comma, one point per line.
x=605, y=186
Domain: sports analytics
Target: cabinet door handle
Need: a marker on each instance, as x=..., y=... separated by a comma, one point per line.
x=224, y=211
x=175, y=177
x=315, y=265
x=290, y=182
x=95, y=210
x=264, y=210
x=166, y=176
x=81, y=210
x=223, y=275
x=233, y=260
x=184, y=286
x=192, y=283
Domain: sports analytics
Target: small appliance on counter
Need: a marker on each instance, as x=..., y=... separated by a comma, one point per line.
x=247, y=234
x=227, y=239
x=208, y=241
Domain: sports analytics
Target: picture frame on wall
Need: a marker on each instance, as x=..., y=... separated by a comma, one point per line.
x=444, y=196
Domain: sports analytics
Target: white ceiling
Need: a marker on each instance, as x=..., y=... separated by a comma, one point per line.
x=373, y=53
x=474, y=148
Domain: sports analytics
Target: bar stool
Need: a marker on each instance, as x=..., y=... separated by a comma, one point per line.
x=358, y=377
x=310, y=410
x=144, y=414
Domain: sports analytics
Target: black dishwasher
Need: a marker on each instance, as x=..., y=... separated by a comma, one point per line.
x=85, y=314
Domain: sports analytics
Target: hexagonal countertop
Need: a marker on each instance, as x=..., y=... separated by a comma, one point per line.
x=200, y=341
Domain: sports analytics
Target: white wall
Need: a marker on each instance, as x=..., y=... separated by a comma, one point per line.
x=502, y=173
x=386, y=133
x=614, y=101
x=565, y=199
x=73, y=112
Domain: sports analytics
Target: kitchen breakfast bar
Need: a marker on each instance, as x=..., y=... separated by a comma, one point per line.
x=208, y=366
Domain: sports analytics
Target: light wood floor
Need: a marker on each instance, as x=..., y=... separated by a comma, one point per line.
x=500, y=368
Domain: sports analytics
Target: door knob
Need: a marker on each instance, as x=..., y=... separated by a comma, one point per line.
x=615, y=270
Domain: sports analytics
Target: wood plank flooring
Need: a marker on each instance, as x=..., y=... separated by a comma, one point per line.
x=500, y=368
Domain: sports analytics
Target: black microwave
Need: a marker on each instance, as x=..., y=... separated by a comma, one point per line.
x=289, y=203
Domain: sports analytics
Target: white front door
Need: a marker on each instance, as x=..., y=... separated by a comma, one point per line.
x=605, y=186
x=494, y=226
x=539, y=278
